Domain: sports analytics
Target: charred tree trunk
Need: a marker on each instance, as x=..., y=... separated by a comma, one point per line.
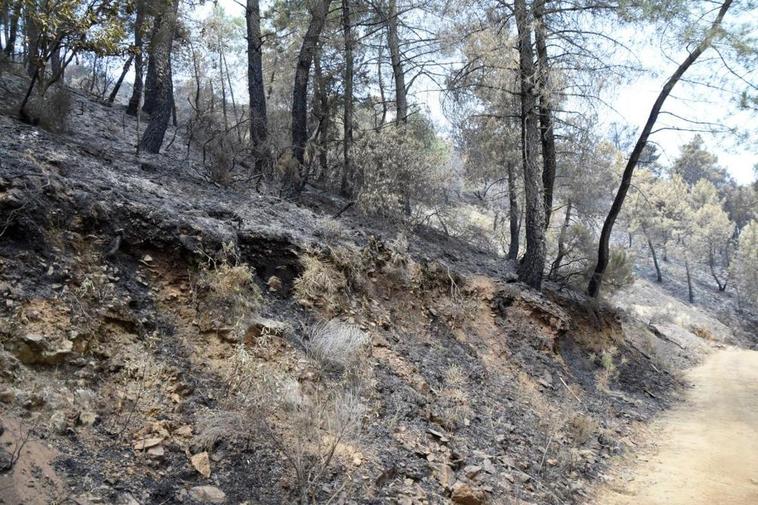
x=658, y=276
x=347, y=128
x=393, y=41
x=223, y=85
x=117, y=86
x=561, y=243
x=32, y=33
x=300, y=88
x=150, y=99
x=532, y=265
x=55, y=62
x=712, y=267
x=380, y=82
x=255, y=87
x=547, y=134
x=160, y=58
x=321, y=111
x=10, y=41
x=139, y=63
x=513, y=213
x=593, y=289
x=690, y=293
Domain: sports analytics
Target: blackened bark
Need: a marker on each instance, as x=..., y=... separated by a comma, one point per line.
x=255, y=87
x=561, y=243
x=321, y=111
x=55, y=62
x=223, y=85
x=32, y=33
x=658, y=276
x=593, y=289
x=160, y=57
x=712, y=267
x=139, y=64
x=513, y=213
x=380, y=81
x=151, y=97
x=117, y=86
x=532, y=265
x=393, y=41
x=10, y=42
x=547, y=134
x=347, y=130
x=690, y=293
x=302, y=71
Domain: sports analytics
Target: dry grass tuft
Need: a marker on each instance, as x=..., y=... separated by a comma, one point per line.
x=337, y=345
x=703, y=333
x=330, y=229
x=454, y=400
x=227, y=295
x=320, y=284
x=581, y=428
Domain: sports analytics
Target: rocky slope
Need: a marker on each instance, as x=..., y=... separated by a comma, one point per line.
x=163, y=342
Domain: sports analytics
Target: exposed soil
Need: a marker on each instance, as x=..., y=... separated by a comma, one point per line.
x=122, y=372
x=705, y=450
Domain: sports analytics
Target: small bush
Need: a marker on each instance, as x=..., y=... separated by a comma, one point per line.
x=52, y=111
x=619, y=272
x=402, y=167
x=334, y=344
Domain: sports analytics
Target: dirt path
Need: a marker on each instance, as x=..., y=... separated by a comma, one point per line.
x=706, y=449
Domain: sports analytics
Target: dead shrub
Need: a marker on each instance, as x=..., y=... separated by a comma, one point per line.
x=581, y=428
x=337, y=345
x=227, y=294
x=352, y=263
x=306, y=424
x=703, y=333
x=330, y=229
x=318, y=425
x=52, y=111
x=320, y=284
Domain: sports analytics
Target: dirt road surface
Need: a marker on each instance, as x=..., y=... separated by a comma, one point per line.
x=705, y=450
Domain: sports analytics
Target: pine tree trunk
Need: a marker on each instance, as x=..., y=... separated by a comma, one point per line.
x=380, y=82
x=393, y=41
x=32, y=32
x=162, y=93
x=300, y=88
x=117, y=86
x=690, y=293
x=321, y=111
x=712, y=267
x=347, y=128
x=603, y=254
x=532, y=265
x=139, y=63
x=513, y=213
x=55, y=61
x=255, y=87
x=547, y=133
x=10, y=41
x=150, y=100
x=561, y=243
x=658, y=276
